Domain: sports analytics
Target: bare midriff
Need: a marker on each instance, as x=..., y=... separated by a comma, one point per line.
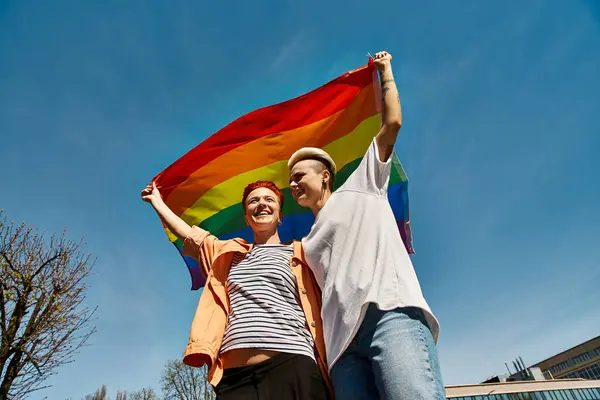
x=244, y=357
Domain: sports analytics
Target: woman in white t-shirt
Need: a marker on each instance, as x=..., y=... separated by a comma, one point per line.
x=379, y=331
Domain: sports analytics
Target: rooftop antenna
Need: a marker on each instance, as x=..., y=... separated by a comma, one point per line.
x=521, y=366
x=516, y=367
x=506, y=365
x=524, y=367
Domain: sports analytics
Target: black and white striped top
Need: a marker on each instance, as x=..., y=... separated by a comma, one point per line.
x=265, y=308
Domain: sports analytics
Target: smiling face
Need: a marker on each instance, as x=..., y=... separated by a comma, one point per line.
x=306, y=181
x=262, y=210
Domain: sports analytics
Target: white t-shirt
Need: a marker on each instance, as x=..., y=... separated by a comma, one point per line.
x=357, y=255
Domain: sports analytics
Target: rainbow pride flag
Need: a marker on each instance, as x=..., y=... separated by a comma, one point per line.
x=204, y=187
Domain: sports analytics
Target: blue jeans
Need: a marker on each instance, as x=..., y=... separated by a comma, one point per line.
x=392, y=357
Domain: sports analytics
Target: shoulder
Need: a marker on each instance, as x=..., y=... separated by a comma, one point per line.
x=217, y=246
x=235, y=245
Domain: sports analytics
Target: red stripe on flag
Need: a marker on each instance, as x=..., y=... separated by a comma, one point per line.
x=292, y=114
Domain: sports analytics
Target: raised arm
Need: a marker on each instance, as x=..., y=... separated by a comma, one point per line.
x=175, y=224
x=391, y=110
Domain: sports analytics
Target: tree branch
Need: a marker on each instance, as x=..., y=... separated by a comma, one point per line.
x=47, y=262
x=42, y=317
x=2, y=312
x=32, y=360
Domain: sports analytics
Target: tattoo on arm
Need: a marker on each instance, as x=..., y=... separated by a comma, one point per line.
x=384, y=87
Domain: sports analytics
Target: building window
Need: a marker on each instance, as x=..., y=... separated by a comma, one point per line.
x=575, y=360
x=567, y=394
x=590, y=372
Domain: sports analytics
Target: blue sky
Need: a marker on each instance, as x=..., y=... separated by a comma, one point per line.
x=500, y=141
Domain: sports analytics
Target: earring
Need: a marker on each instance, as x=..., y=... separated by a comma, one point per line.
x=323, y=183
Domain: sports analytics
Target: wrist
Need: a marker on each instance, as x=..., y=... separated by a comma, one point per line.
x=156, y=202
x=384, y=66
x=386, y=75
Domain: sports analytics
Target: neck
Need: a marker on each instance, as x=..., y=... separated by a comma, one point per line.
x=321, y=202
x=267, y=237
